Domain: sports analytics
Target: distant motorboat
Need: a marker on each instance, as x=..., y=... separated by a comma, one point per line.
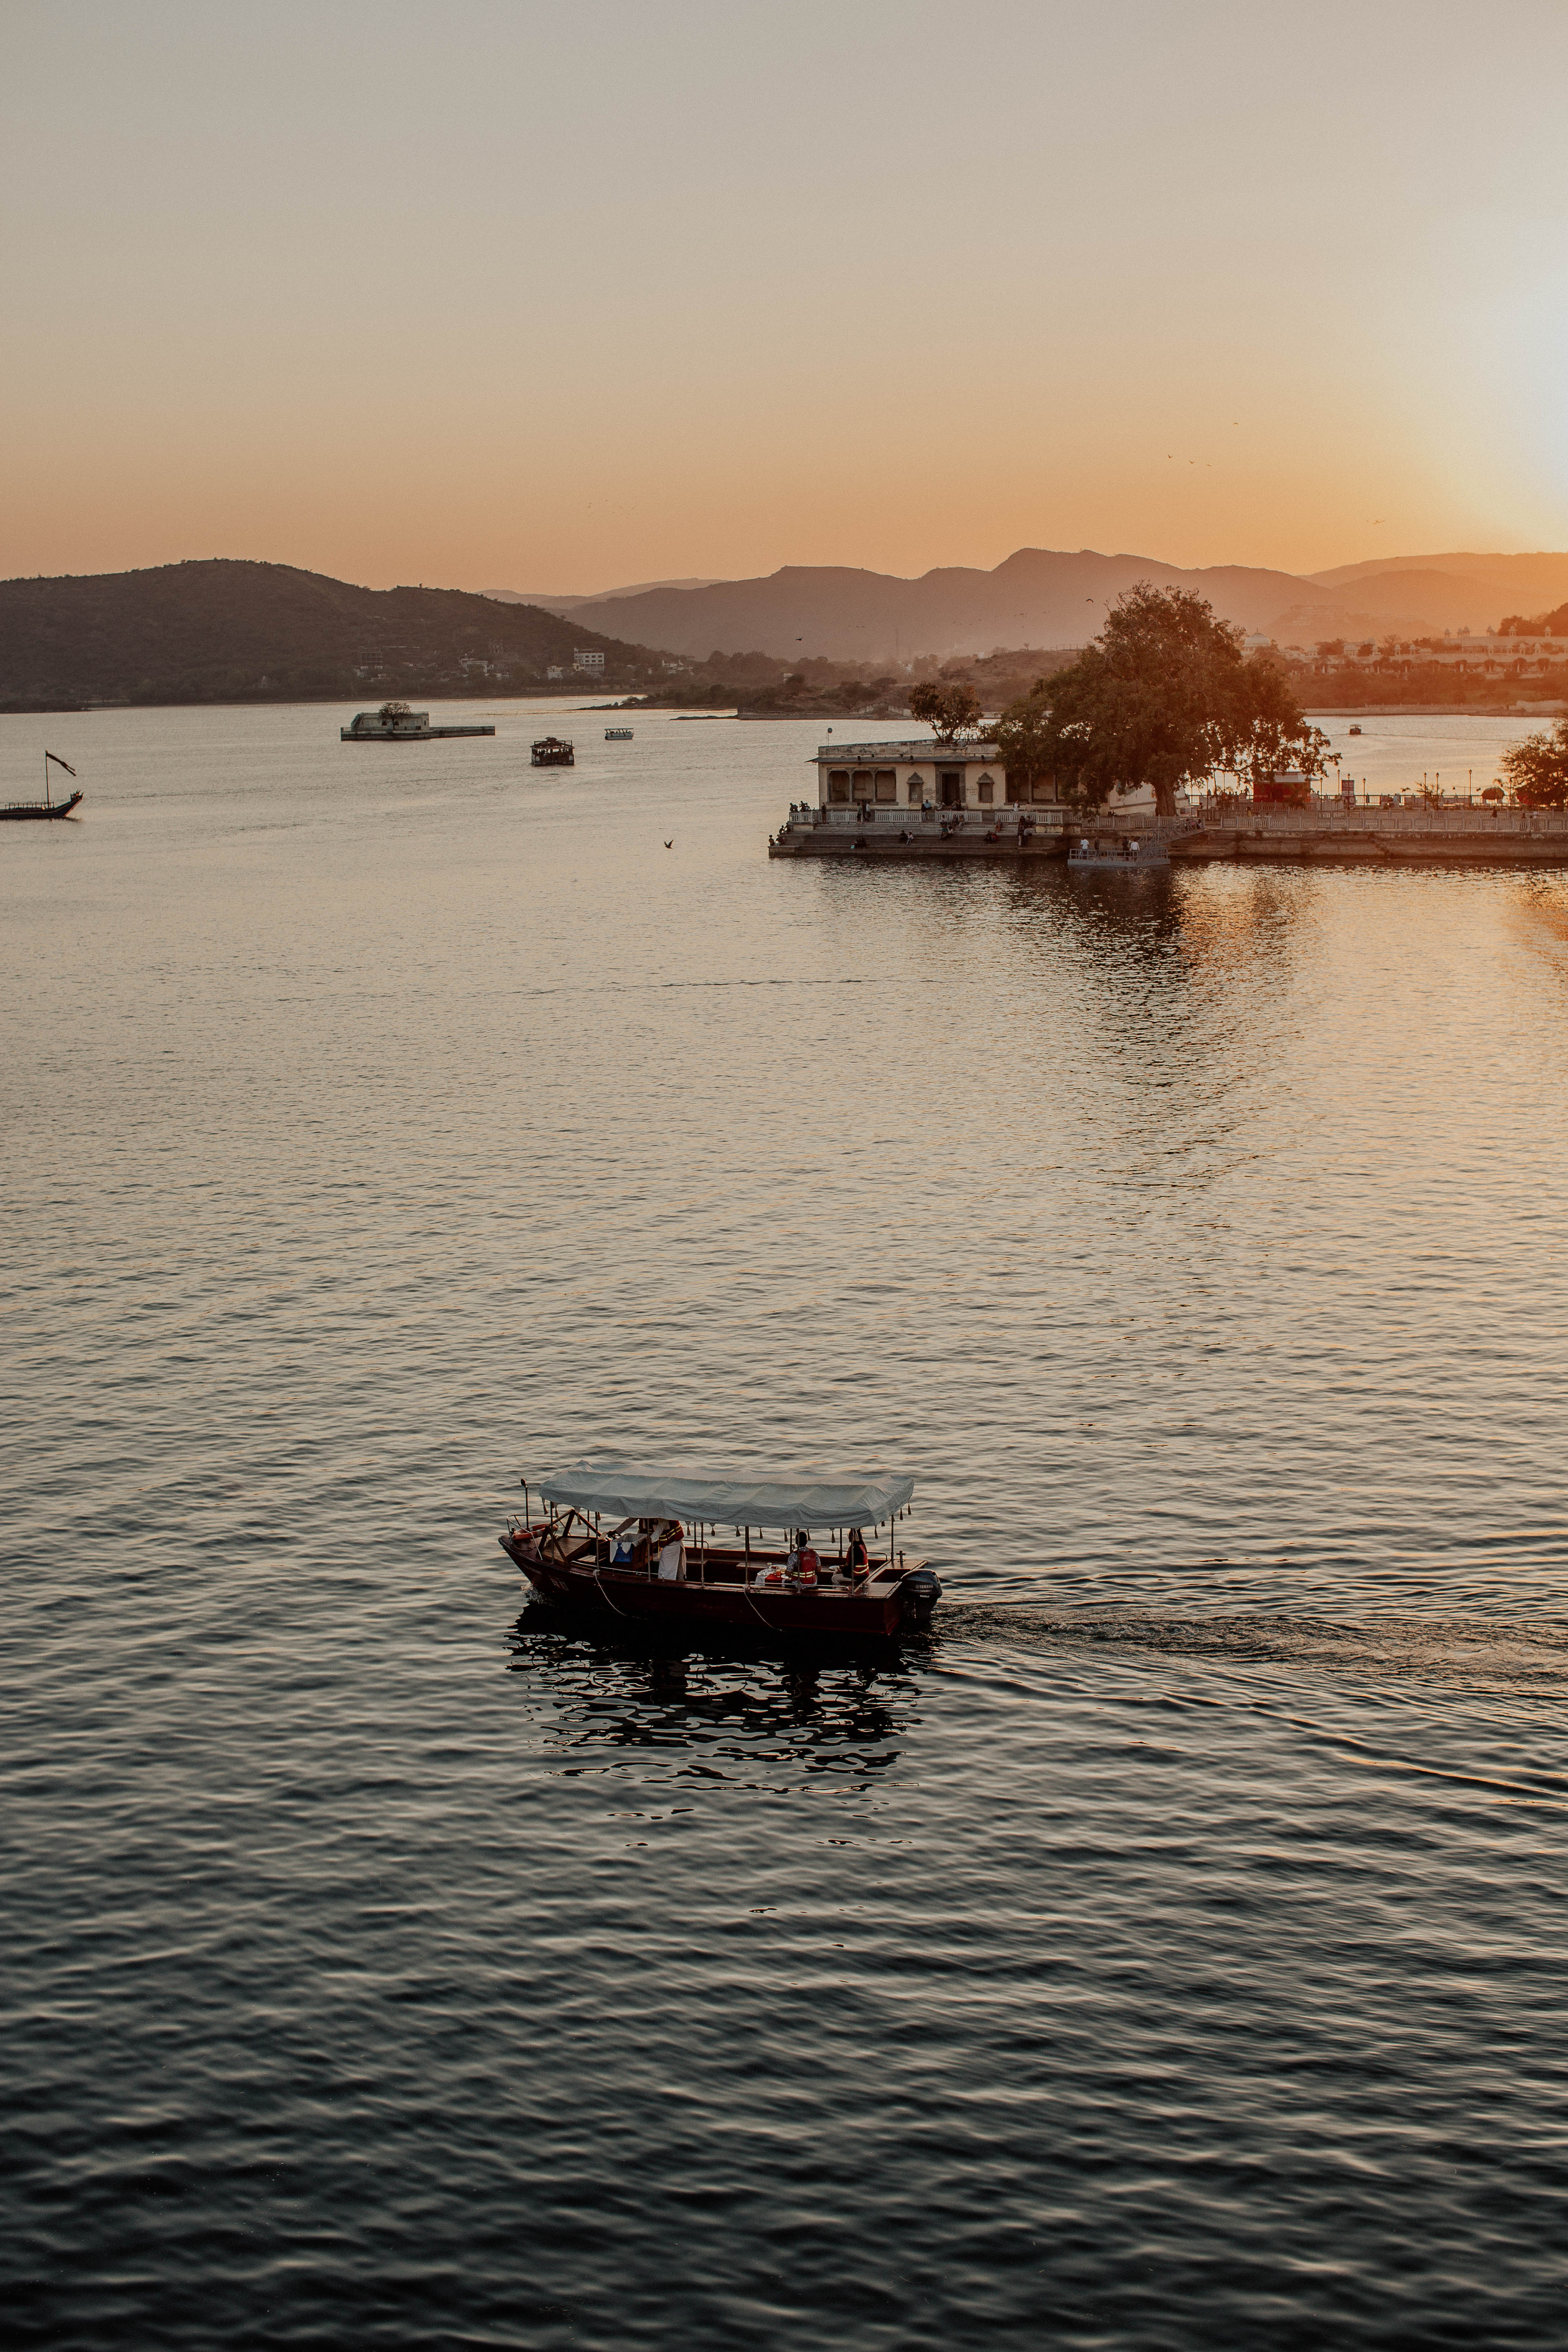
x=617, y=734
x=1355, y=730
x=553, y=751
x=21, y=811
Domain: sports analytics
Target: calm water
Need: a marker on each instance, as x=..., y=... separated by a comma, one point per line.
x=1171, y=1953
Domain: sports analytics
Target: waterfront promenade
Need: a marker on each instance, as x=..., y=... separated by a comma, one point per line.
x=1324, y=833
x=1372, y=836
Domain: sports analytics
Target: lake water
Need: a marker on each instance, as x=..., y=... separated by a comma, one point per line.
x=1170, y=1953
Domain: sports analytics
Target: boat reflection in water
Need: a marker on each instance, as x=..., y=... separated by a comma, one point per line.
x=721, y=1713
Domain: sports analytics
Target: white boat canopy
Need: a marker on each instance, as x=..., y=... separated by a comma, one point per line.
x=814, y=1497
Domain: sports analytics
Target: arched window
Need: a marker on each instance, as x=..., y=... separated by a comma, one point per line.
x=838, y=783
x=916, y=791
x=986, y=789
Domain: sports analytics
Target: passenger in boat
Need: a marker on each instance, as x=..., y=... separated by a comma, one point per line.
x=622, y=1544
x=857, y=1558
x=792, y=1558
x=672, y=1554
x=810, y=1567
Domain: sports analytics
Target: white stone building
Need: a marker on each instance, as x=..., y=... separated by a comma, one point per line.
x=853, y=779
x=917, y=775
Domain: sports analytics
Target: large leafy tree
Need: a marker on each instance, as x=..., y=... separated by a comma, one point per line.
x=953, y=710
x=1163, y=696
x=1537, y=767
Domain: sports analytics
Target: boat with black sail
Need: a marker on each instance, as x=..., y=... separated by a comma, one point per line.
x=681, y=1546
x=20, y=812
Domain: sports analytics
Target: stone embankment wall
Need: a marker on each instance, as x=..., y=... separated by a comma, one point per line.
x=1467, y=837
x=1326, y=836
x=893, y=833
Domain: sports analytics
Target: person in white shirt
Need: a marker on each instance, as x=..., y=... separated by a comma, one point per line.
x=672, y=1553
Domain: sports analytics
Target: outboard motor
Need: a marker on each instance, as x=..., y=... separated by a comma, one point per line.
x=919, y=1592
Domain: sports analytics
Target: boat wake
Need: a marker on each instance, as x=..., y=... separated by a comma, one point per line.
x=1476, y=1656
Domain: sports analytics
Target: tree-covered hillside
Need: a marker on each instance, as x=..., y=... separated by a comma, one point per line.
x=238, y=632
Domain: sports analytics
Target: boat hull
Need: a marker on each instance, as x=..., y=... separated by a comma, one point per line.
x=20, y=812
x=858, y=1615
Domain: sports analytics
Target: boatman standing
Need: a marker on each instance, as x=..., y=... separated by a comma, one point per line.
x=672, y=1553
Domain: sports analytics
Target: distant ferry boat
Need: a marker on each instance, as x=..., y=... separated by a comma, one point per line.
x=617, y=734
x=553, y=751
x=395, y=723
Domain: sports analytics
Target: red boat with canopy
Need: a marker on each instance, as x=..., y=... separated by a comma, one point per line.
x=702, y=1546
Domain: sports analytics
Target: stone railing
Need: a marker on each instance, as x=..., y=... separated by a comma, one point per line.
x=1347, y=819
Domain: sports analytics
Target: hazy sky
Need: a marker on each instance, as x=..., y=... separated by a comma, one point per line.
x=559, y=297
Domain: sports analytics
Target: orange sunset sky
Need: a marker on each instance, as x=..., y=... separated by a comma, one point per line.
x=555, y=297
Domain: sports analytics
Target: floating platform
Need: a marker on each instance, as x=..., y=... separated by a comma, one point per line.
x=389, y=726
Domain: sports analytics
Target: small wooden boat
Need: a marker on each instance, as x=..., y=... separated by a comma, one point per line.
x=20, y=812
x=617, y=734
x=553, y=751
x=1130, y=857
x=664, y=1562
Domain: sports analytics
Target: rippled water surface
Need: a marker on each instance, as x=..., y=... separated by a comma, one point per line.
x=1171, y=1952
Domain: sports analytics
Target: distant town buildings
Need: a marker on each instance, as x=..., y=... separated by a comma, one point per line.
x=1483, y=653
x=583, y=659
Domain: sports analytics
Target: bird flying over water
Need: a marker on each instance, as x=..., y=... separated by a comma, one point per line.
x=670, y=845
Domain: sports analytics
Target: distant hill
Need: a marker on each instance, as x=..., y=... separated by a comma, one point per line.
x=233, y=631
x=223, y=631
x=1037, y=597
x=599, y=595
x=1045, y=598
x=1448, y=591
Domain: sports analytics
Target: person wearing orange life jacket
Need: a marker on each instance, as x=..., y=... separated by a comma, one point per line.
x=808, y=1568
x=857, y=1558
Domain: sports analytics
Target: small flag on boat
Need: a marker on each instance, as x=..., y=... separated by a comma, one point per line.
x=58, y=763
